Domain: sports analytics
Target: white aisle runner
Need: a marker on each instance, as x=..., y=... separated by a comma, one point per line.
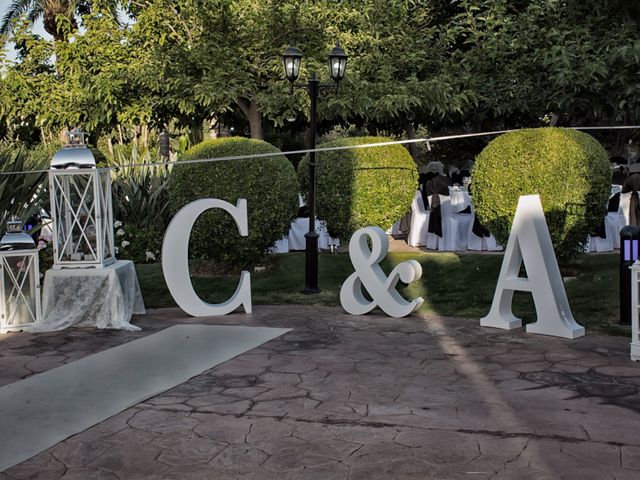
x=42, y=410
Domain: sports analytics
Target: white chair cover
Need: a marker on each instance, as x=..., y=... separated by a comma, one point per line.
x=479, y=244
x=491, y=244
x=434, y=242
x=455, y=228
x=599, y=244
x=461, y=223
x=613, y=222
x=476, y=243
x=419, y=222
x=395, y=228
x=625, y=202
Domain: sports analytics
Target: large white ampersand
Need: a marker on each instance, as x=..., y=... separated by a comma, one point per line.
x=368, y=273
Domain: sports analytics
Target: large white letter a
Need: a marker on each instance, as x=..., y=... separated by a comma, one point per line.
x=530, y=242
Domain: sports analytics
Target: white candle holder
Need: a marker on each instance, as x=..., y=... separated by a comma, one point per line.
x=19, y=280
x=81, y=208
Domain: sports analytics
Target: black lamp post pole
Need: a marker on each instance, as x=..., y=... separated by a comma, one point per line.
x=311, y=252
x=337, y=64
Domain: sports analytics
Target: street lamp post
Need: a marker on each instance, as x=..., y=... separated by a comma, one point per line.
x=337, y=66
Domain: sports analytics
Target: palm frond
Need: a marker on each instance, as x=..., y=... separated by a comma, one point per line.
x=20, y=194
x=16, y=10
x=140, y=196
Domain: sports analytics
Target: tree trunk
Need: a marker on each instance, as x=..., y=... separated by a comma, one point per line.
x=144, y=134
x=51, y=26
x=411, y=135
x=63, y=135
x=253, y=115
x=213, y=128
x=195, y=133
x=110, y=146
x=134, y=136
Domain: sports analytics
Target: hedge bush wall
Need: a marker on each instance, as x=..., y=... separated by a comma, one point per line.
x=567, y=168
x=360, y=187
x=269, y=184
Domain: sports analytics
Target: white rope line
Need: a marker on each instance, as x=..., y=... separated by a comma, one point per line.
x=321, y=149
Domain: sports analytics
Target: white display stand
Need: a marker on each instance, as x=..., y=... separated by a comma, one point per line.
x=81, y=207
x=99, y=297
x=19, y=290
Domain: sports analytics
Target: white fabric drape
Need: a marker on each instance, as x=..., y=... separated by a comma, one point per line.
x=99, y=297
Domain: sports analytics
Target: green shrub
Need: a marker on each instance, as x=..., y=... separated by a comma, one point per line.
x=567, y=168
x=360, y=187
x=141, y=245
x=268, y=183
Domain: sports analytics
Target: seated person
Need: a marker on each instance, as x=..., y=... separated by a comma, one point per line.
x=620, y=171
x=632, y=184
x=456, y=176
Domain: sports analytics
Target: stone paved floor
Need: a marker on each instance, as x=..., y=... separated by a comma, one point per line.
x=359, y=398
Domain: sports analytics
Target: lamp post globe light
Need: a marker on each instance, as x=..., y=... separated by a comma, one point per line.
x=291, y=59
x=337, y=63
x=81, y=208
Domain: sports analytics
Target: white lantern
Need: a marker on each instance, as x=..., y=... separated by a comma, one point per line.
x=81, y=208
x=635, y=310
x=19, y=280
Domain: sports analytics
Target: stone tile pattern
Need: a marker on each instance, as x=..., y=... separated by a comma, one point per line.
x=343, y=397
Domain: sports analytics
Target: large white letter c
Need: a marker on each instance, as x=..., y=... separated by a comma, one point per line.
x=175, y=259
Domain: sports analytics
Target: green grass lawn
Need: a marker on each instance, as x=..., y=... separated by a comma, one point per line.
x=452, y=285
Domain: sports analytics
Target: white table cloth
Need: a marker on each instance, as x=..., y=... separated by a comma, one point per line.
x=300, y=226
x=100, y=297
x=460, y=198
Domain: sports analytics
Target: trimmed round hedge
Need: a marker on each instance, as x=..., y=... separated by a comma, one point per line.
x=269, y=184
x=360, y=187
x=567, y=168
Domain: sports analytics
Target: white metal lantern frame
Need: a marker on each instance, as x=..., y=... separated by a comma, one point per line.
x=82, y=215
x=635, y=311
x=19, y=289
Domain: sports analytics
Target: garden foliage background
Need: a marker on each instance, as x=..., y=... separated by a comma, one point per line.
x=127, y=71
